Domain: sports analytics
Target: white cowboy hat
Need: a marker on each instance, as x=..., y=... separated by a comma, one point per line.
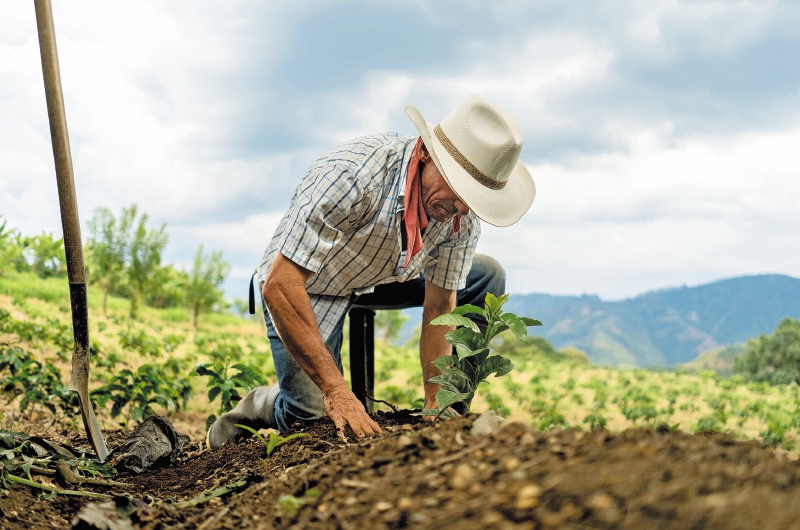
x=476, y=149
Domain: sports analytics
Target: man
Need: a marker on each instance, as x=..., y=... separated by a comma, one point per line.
x=383, y=221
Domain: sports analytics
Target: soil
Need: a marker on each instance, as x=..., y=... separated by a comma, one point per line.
x=421, y=475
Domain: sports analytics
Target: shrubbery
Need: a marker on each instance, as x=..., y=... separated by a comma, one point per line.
x=123, y=257
x=774, y=359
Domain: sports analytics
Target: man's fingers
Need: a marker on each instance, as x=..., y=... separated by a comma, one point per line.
x=375, y=427
x=357, y=428
x=338, y=420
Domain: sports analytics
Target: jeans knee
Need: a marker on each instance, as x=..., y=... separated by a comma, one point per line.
x=493, y=273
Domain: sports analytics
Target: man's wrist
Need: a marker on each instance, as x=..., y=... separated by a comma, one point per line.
x=333, y=383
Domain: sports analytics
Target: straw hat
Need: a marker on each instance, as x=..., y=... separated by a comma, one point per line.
x=476, y=149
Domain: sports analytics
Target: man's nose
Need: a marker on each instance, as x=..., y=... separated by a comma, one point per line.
x=461, y=207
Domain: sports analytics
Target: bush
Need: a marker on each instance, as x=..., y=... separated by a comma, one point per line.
x=773, y=359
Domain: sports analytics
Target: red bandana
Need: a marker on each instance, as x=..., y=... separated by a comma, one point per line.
x=414, y=215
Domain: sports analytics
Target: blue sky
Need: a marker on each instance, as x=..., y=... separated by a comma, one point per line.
x=661, y=135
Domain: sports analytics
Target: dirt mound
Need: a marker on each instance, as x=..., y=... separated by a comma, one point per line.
x=439, y=476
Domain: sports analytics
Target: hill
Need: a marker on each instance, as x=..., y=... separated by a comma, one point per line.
x=665, y=327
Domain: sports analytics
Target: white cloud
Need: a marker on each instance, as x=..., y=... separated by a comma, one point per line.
x=640, y=184
x=624, y=223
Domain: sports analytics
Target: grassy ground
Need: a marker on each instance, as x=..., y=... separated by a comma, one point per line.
x=546, y=390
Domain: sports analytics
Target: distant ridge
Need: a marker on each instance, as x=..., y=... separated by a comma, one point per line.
x=667, y=326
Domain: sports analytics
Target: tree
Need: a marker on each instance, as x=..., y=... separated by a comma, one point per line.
x=773, y=358
x=108, y=248
x=167, y=288
x=144, y=259
x=389, y=324
x=8, y=246
x=202, y=290
x=45, y=255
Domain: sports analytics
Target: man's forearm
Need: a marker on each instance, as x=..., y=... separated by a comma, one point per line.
x=290, y=309
x=432, y=346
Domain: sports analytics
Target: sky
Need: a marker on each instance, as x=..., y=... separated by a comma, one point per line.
x=662, y=135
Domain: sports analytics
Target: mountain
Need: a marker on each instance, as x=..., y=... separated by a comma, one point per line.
x=664, y=327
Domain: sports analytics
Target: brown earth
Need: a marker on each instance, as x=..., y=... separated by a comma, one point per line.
x=418, y=475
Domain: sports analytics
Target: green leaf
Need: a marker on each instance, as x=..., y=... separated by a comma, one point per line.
x=256, y=434
x=468, y=308
x=213, y=393
x=496, y=364
x=276, y=440
x=427, y=412
x=450, y=319
x=464, y=352
x=454, y=382
x=444, y=383
x=444, y=362
x=445, y=398
x=497, y=326
x=530, y=321
x=491, y=303
x=517, y=326
x=202, y=369
x=469, y=338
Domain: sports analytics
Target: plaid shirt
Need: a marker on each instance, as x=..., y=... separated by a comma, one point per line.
x=344, y=226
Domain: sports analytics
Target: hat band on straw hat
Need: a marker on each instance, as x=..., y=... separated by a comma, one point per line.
x=465, y=164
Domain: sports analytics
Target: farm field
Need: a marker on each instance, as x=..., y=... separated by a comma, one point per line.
x=568, y=414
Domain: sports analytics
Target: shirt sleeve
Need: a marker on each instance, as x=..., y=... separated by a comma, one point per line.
x=455, y=255
x=329, y=201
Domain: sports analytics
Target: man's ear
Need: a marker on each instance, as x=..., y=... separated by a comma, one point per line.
x=424, y=155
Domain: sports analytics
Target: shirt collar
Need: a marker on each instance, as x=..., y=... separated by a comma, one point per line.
x=404, y=168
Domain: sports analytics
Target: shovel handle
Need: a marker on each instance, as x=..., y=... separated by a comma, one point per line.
x=70, y=221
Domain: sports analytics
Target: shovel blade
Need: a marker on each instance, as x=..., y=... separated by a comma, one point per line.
x=92, y=427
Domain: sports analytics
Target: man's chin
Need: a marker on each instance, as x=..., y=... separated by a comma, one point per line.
x=442, y=218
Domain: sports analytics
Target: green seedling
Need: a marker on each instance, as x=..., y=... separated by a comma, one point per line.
x=289, y=504
x=472, y=363
x=132, y=393
x=37, y=384
x=226, y=381
x=275, y=439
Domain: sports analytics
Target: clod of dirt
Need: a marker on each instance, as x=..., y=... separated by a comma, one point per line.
x=153, y=443
x=486, y=425
x=120, y=513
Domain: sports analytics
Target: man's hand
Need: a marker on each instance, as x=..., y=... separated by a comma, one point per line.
x=343, y=408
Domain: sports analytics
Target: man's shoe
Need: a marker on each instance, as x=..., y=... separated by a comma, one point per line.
x=256, y=410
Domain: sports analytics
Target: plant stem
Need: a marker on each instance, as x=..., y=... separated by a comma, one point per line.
x=219, y=492
x=75, y=493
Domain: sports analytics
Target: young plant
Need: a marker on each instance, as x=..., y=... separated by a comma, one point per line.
x=225, y=383
x=275, y=439
x=472, y=362
x=150, y=384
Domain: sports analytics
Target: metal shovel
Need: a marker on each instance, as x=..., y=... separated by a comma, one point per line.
x=70, y=222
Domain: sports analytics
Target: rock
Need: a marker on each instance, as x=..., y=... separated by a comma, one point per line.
x=600, y=501
x=491, y=518
x=528, y=497
x=404, y=441
x=405, y=503
x=462, y=477
x=512, y=463
x=511, y=431
x=487, y=424
x=120, y=513
x=382, y=506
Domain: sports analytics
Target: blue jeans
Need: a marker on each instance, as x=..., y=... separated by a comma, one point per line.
x=301, y=399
